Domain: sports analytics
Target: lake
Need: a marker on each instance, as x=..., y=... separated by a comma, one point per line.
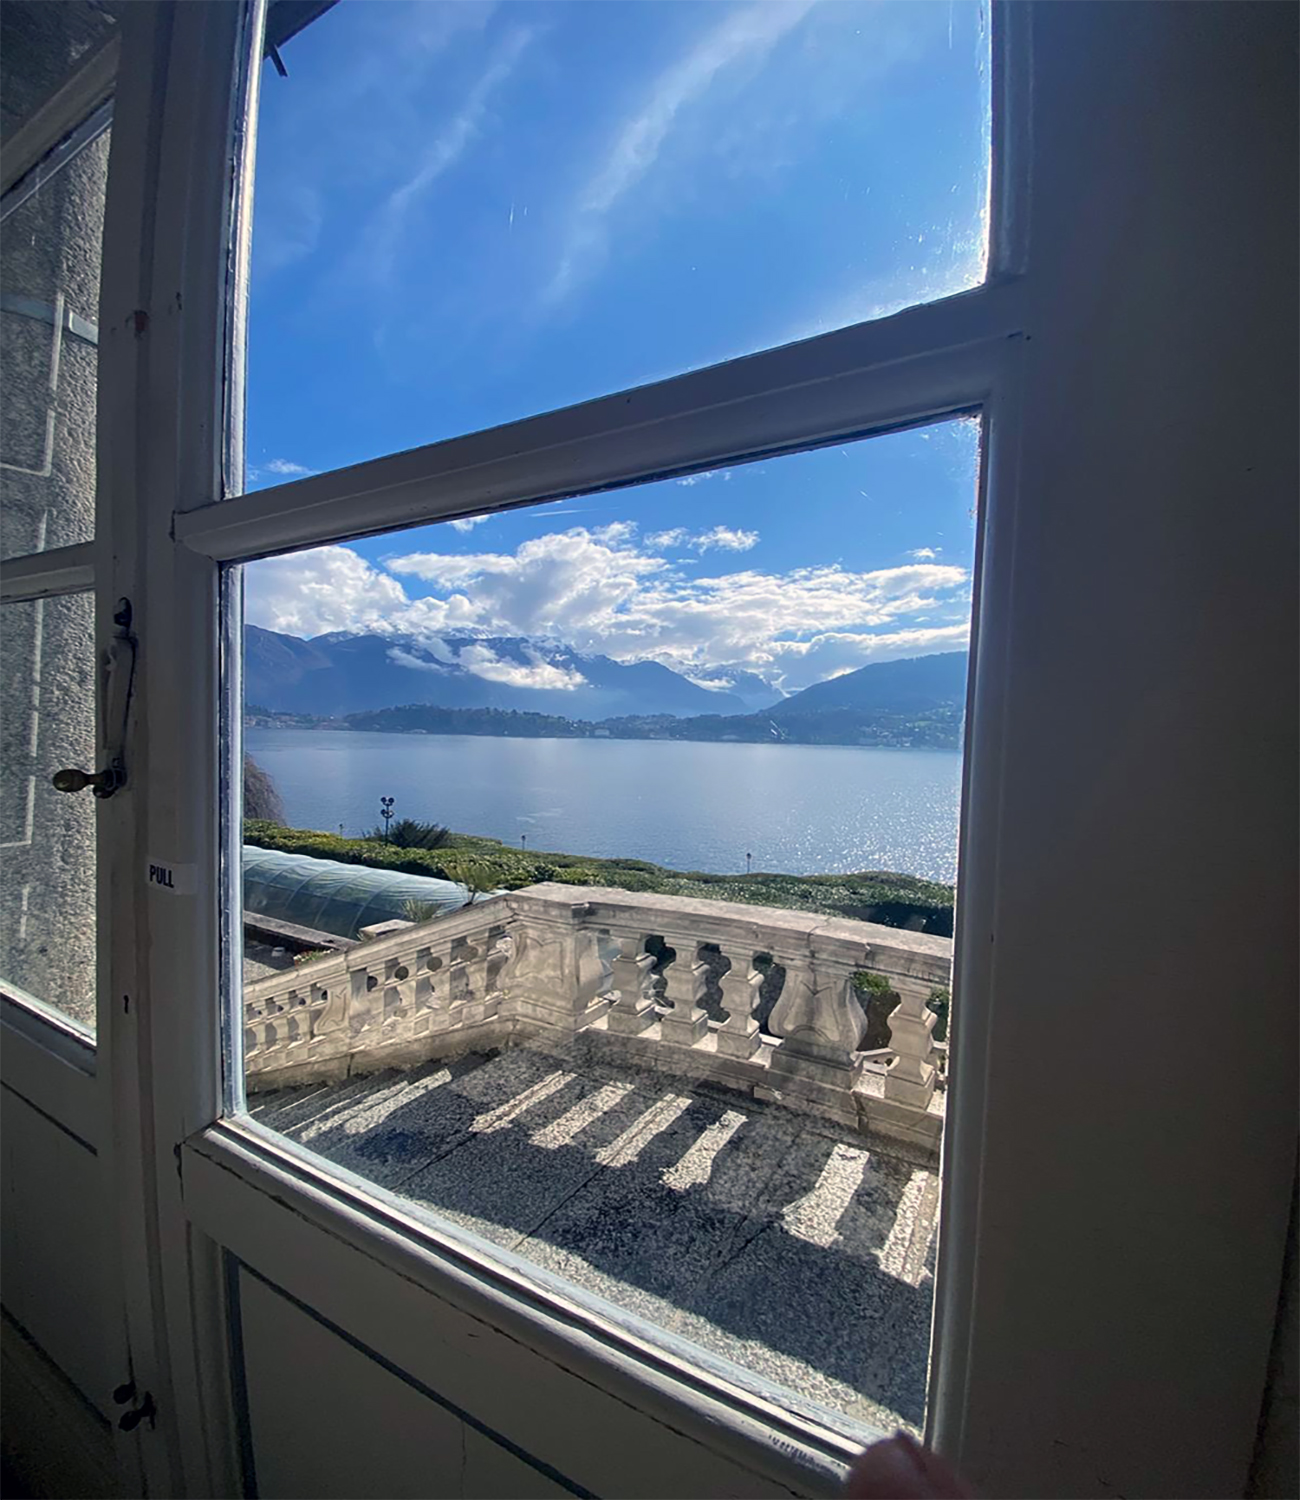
x=798, y=809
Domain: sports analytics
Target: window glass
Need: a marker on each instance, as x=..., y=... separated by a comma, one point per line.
x=51, y=227
x=599, y=865
x=470, y=213
x=42, y=46
x=47, y=722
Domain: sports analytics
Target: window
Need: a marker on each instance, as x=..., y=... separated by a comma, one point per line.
x=657, y=1015
x=467, y=214
x=56, y=117
x=428, y=1063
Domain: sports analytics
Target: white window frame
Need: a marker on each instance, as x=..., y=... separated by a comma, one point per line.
x=196, y=1186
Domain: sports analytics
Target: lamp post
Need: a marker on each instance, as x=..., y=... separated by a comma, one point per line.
x=386, y=813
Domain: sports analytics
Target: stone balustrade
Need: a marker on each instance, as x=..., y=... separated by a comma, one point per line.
x=756, y=998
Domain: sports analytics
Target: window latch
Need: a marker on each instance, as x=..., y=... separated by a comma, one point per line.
x=116, y=684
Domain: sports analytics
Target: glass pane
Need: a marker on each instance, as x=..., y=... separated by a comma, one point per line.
x=598, y=889
x=468, y=213
x=50, y=249
x=47, y=722
x=42, y=46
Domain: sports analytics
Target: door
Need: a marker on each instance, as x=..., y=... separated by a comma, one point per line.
x=293, y=1326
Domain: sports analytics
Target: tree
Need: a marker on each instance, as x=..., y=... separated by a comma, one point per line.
x=261, y=800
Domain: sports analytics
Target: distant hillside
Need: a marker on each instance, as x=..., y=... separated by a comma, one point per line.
x=914, y=685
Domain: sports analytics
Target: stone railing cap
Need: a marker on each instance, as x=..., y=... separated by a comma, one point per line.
x=922, y=956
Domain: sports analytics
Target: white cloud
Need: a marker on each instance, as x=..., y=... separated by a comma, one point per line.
x=402, y=658
x=442, y=154
x=613, y=594
x=332, y=588
x=748, y=33
x=483, y=662
x=274, y=470
x=615, y=532
x=925, y=554
x=623, y=600
x=292, y=231
x=468, y=523
x=675, y=536
x=726, y=538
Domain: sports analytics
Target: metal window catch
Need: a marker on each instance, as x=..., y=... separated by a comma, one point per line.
x=145, y=1411
x=116, y=684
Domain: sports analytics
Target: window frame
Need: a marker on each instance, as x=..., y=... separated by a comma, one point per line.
x=172, y=307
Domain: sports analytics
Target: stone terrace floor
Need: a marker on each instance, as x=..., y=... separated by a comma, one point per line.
x=773, y=1240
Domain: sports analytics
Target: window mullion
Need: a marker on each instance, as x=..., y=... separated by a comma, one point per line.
x=921, y=365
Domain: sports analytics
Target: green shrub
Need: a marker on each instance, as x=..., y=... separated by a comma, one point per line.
x=410, y=833
x=483, y=864
x=940, y=1002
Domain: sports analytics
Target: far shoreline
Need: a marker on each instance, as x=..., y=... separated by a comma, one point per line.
x=328, y=727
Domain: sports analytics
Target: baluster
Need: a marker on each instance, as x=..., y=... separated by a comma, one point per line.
x=293, y=1026
x=631, y=980
x=911, y=1079
x=478, y=1002
x=331, y=1008
x=422, y=995
x=460, y=990
x=434, y=987
x=741, y=984
x=496, y=968
x=365, y=1004
x=686, y=1022
x=820, y=1024
x=397, y=993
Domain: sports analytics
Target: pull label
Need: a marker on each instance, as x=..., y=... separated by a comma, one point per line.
x=176, y=880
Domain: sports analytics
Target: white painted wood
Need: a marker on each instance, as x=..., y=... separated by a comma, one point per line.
x=543, y=1380
x=325, y=1420
x=50, y=1062
x=54, y=1225
x=58, y=570
x=53, y=1440
x=921, y=364
x=1115, y=1205
x=160, y=380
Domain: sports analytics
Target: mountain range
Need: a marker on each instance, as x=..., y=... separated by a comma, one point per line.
x=334, y=675
x=338, y=674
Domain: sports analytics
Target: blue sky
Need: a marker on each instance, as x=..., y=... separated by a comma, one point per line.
x=470, y=213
